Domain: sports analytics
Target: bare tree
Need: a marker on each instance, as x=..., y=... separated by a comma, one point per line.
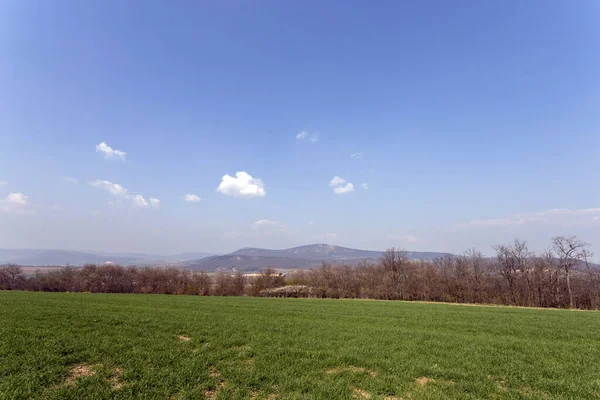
x=394, y=264
x=11, y=277
x=508, y=268
x=544, y=277
x=523, y=258
x=570, y=252
x=515, y=260
x=476, y=272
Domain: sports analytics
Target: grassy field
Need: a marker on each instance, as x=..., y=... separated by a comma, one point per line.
x=100, y=346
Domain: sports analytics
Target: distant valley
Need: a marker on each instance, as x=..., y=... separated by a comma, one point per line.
x=43, y=257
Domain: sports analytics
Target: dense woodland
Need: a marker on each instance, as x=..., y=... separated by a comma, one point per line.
x=561, y=277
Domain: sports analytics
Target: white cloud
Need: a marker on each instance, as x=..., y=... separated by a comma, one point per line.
x=338, y=185
x=556, y=215
x=303, y=135
x=69, y=179
x=357, y=156
x=112, y=188
x=109, y=152
x=154, y=202
x=365, y=186
x=3, y=183
x=310, y=223
x=243, y=185
x=14, y=202
x=404, y=238
x=344, y=189
x=17, y=198
x=192, y=198
x=137, y=200
x=336, y=181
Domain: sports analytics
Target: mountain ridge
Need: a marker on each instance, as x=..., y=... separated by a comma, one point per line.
x=306, y=256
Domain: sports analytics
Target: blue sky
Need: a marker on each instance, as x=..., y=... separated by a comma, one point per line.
x=471, y=123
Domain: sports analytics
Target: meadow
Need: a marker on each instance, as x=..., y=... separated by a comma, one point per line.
x=101, y=346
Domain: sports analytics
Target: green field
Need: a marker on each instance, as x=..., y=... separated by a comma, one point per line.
x=100, y=346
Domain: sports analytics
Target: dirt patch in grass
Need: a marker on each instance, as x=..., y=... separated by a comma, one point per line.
x=212, y=394
x=79, y=371
x=115, y=379
x=423, y=381
x=353, y=369
x=184, y=338
x=360, y=394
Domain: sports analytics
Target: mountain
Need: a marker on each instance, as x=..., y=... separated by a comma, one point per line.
x=308, y=256
x=311, y=252
x=42, y=257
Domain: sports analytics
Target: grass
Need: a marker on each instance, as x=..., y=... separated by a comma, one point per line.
x=100, y=346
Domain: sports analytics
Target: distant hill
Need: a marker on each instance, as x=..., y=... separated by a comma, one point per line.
x=308, y=256
x=311, y=252
x=41, y=257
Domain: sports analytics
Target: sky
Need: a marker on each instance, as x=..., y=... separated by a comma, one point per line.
x=162, y=127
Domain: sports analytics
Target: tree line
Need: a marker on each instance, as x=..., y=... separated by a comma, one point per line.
x=560, y=277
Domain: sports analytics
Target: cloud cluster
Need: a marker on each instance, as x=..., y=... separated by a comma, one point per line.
x=560, y=215
x=340, y=186
x=113, y=188
x=191, y=198
x=109, y=152
x=356, y=156
x=137, y=200
x=242, y=185
x=3, y=183
x=304, y=135
x=14, y=202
